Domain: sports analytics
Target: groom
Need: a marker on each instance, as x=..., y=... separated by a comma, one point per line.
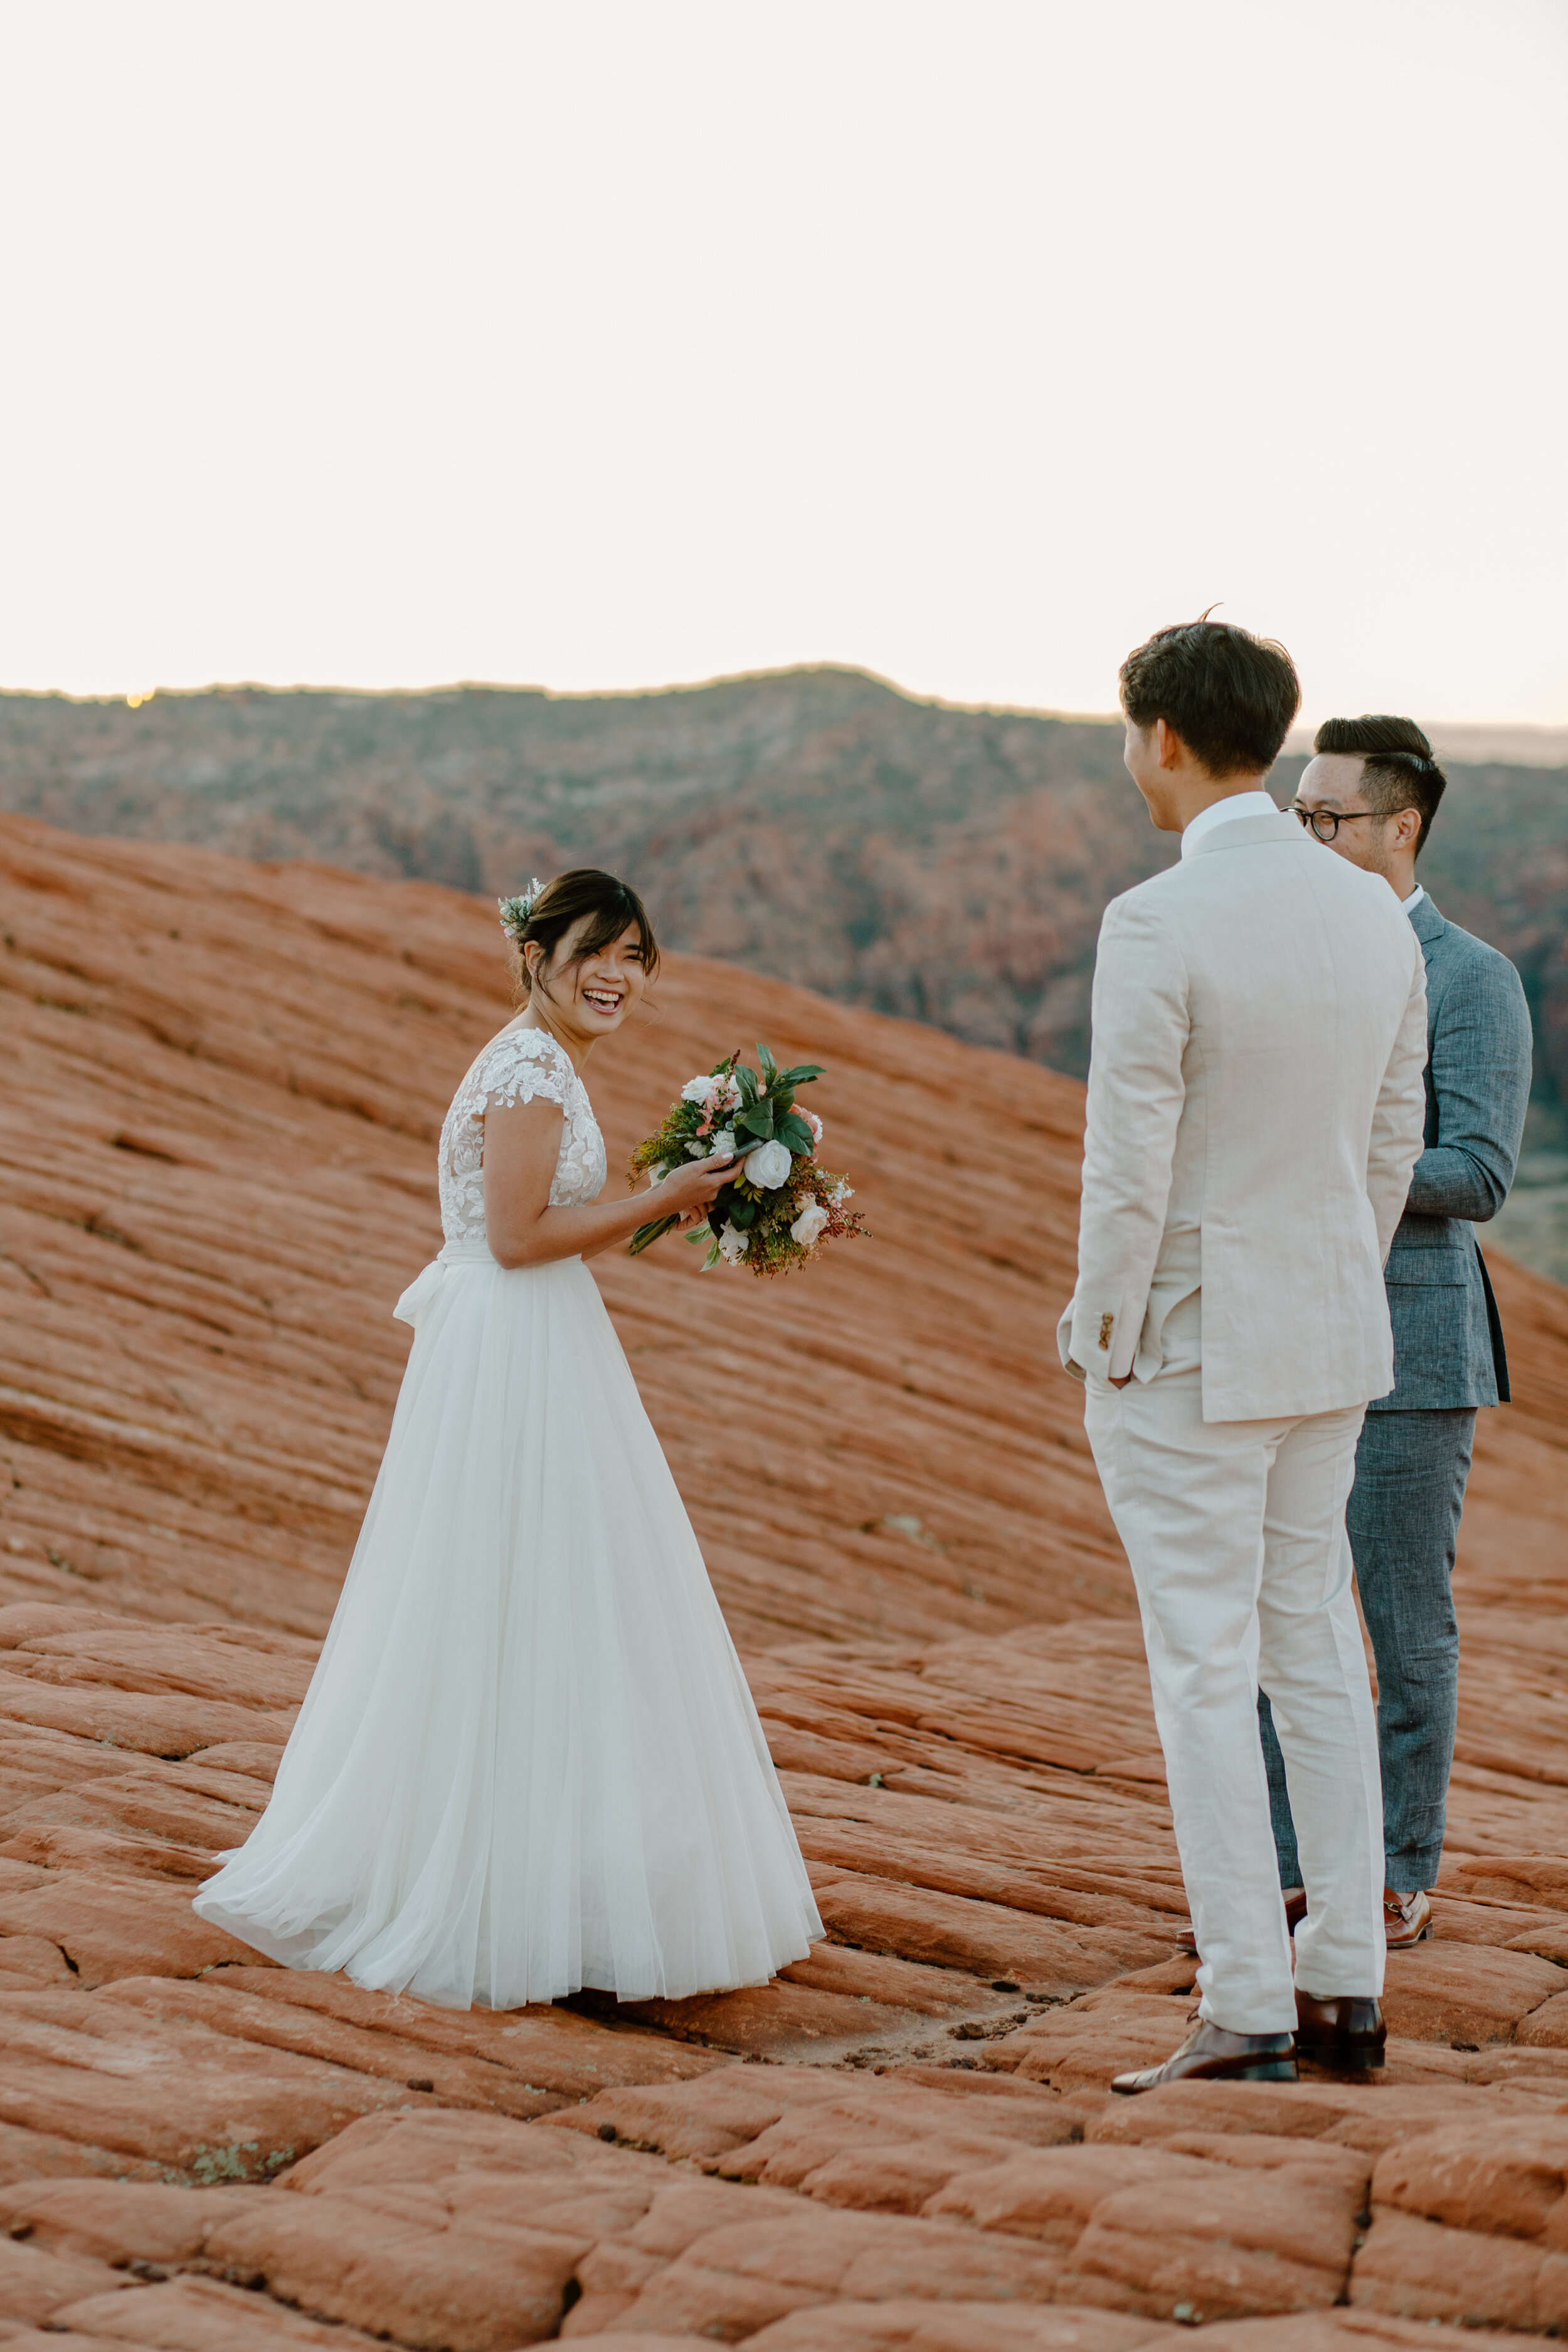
x=1255, y=1109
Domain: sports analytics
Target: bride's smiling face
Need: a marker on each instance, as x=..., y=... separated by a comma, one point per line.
x=592, y=993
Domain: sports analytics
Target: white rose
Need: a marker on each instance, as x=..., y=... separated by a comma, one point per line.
x=734, y=1246
x=808, y=1225
x=768, y=1166
x=699, y=1090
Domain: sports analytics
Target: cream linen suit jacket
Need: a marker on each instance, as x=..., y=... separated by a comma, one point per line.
x=1255, y=1106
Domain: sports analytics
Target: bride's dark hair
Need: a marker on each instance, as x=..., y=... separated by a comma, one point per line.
x=612, y=905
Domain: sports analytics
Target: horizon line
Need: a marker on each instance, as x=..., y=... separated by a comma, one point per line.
x=1546, y=732
x=569, y=693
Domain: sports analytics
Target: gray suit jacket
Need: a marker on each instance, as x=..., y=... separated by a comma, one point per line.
x=1448, y=1340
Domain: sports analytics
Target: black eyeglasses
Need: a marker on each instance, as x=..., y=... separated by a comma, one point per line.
x=1326, y=823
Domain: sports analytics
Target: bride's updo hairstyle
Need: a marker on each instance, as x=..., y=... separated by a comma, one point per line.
x=613, y=905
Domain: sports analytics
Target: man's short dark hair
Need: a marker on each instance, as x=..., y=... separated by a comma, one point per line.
x=1398, y=771
x=1228, y=695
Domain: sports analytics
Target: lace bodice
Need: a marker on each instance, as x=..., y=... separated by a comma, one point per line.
x=517, y=1066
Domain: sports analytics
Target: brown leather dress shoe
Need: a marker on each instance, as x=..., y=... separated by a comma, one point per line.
x=1295, y=1912
x=1346, y=2035
x=1406, y=1919
x=1210, y=2053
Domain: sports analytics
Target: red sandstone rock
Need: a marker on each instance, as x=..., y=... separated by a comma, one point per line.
x=34, y=2283
x=1420, y=2269
x=116, y=2222
x=197, y=2314
x=94, y=2067
x=874, y=2146
x=795, y=2018
x=1081, y=2047
x=902, y=2326
x=569, y=2055
x=860, y=2142
x=1053, y=2194
x=1522, y=1927
x=1466, y=1992
x=1513, y=1878
x=1249, y=2122
x=211, y=1125
x=1546, y=2027
x=732, y=2278
x=985, y=1937
x=1223, y=2246
x=1493, y=2176
x=104, y=1928
x=960, y=2327
x=231, y=1195
x=1334, y=2331
x=32, y=2340
x=979, y=1796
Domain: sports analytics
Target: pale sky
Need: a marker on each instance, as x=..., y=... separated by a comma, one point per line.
x=617, y=342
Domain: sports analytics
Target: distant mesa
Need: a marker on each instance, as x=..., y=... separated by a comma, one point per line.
x=945, y=864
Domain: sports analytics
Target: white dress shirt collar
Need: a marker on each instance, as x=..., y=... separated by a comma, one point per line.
x=1225, y=812
x=1411, y=903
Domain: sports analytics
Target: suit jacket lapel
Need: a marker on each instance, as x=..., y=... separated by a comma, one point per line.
x=1427, y=923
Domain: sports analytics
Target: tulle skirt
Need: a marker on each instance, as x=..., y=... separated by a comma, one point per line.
x=528, y=1760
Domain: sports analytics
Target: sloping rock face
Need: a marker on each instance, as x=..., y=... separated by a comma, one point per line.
x=222, y=1090
x=222, y=1087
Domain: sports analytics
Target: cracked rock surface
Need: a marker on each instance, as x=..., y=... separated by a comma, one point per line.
x=221, y=1085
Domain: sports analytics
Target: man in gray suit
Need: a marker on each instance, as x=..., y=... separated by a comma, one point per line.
x=1371, y=795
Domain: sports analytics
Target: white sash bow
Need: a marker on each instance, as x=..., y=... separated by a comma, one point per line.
x=422, y=1290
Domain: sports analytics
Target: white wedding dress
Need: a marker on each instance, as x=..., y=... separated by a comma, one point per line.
x=528, y=1759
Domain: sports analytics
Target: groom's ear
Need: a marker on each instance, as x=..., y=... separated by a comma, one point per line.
x=1172, y=748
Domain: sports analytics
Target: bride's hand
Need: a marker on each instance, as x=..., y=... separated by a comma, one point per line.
x=688, y=1192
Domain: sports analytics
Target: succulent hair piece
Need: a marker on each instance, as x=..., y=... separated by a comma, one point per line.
x=515, y=912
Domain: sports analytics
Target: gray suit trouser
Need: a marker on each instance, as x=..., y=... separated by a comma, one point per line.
x=1402, y=1520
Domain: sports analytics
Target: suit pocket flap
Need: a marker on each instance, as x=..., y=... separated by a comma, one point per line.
x=1447, y=1264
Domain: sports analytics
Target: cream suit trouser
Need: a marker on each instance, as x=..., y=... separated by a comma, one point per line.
x=1235, y=1533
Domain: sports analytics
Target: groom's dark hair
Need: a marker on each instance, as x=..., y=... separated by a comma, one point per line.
x=1228, y=695
x=1398, y=771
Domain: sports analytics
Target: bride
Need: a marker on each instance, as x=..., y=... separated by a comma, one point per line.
x=528, y=1760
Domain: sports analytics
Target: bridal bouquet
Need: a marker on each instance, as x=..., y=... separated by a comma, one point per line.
x=780, y=1206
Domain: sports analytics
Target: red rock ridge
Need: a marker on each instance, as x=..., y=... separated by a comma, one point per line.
x=222, y=1089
